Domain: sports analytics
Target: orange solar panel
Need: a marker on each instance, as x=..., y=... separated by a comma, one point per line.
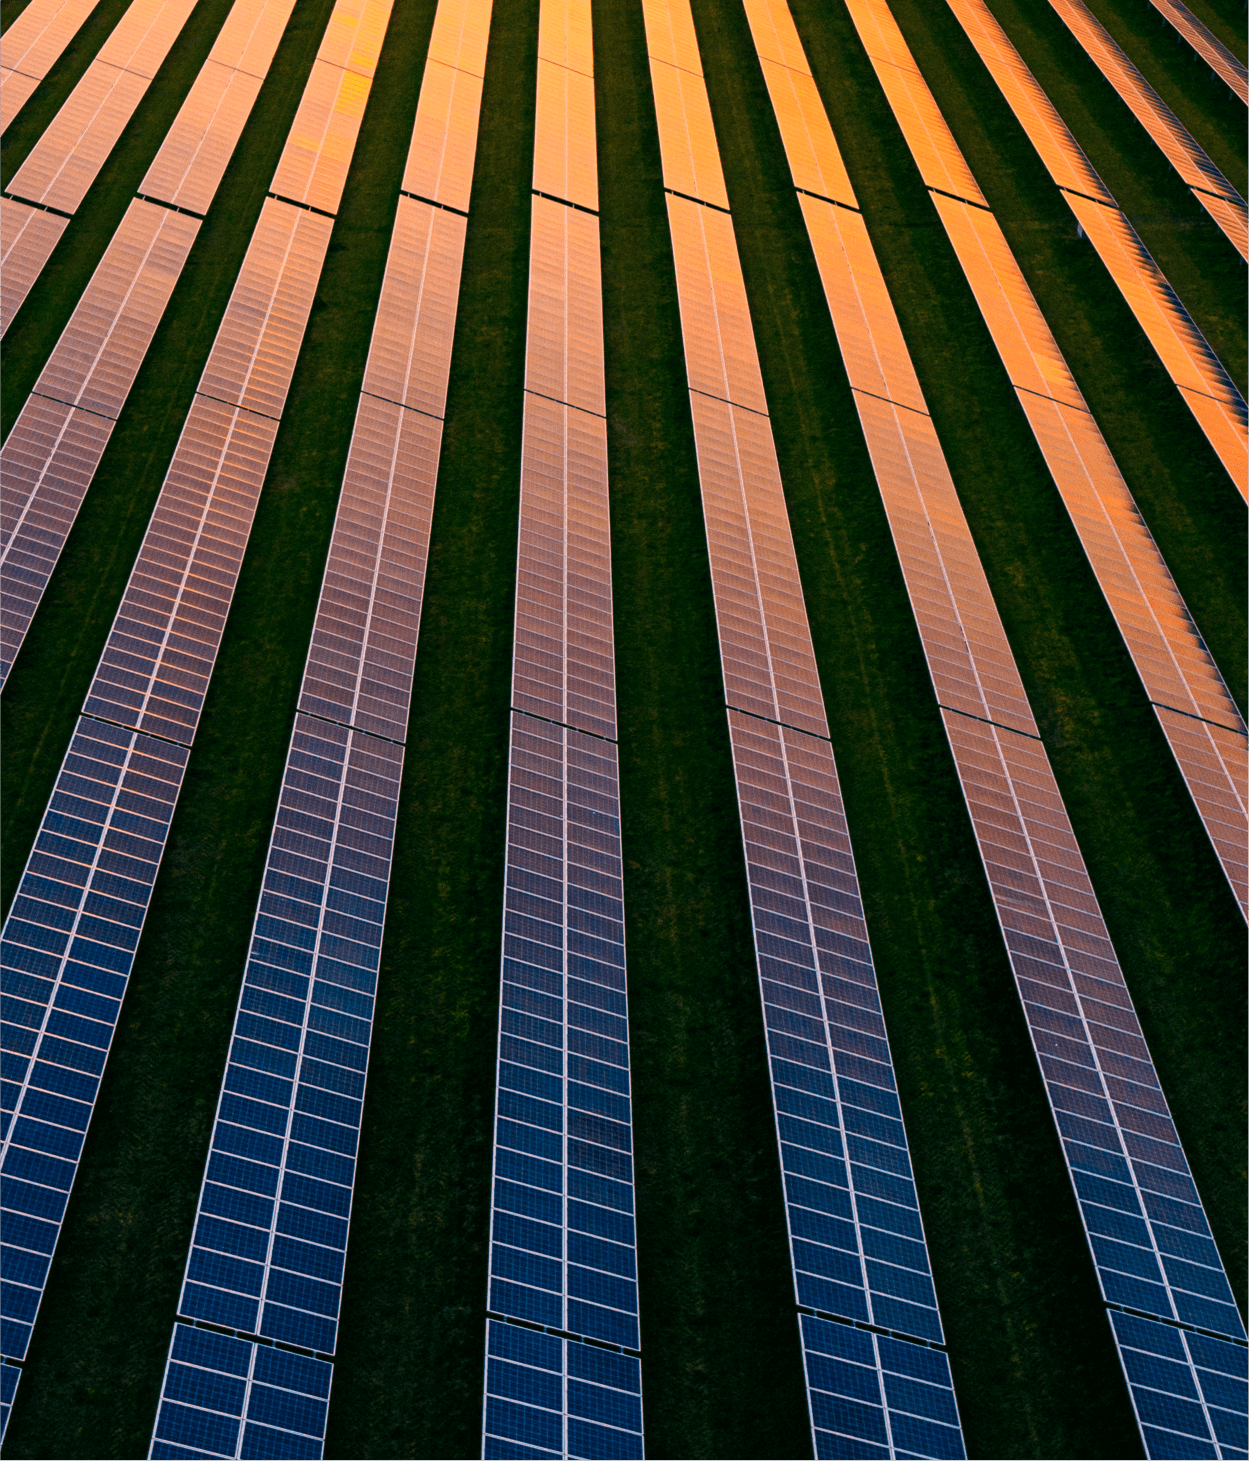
x=814, y=159
x=1048, y=133
x=63, y=164
x=565, y=163
x=444, y=139
x=1231, y=218
x=460, y=35
x=564, y=35
x=199, y=145
x=1177, y=143
x=141, y=39
x=249, y=38
x=27, y=238
x=872, y=347
x=670, y=35
x=32, y=45
x=410, y=356
x=720, y=355
x=253, y=356
x=353, y=38
x=687, y=138
x=1211, y=50
x=775, y=35
x=322, y=139
x=1023, y=339
x=564, y=353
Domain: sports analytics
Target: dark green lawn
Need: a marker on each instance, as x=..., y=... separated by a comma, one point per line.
x=1032, y=1357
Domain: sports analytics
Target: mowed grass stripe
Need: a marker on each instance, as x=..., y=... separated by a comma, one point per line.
x=50, y=677
x=1175, y=928
x=45, y=311
x=1033, y=1360
x=97, y=1357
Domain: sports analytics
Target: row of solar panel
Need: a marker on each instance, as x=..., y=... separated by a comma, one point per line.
x=563, y=1242
x=153, y=676
x=1211, y=189
x=1185, y=354
x=32, y=45
x=51, y=454
x=271, y=1232
x=65, y=161
x=1169, y=654
x=1110, y=1110
x=1211, y=50
x=857, y=1243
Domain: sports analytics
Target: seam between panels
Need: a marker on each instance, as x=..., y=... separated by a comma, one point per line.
x=1236, y=730
x=984, y=720
x=797, y=729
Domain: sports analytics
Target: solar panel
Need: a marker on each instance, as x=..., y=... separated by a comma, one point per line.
x=267, y=1254
x=1211, y=189
x=547, y=1396
x=31, y=47
x=1167, y=650
x=50, y=456
x=10, y=1376
x=1207, y=45
x=70, y=937
x=856, y=1236
x=225, y=1397
x=1150, y=1241
x=563, y=1251
x=1185, y=355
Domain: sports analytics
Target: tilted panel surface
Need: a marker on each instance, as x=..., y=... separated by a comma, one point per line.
x=31, y=47
x=1148, y=1234
x=553, y=1397
x=225, y=1397
x=1183, y=350
x=1207, y=45
x=27, y=238
x=318, y=153
x=51, y=454
x=94, y=364
x=64, y=162
x=1144, y=599
x=271, y=1232
x=1188, y=1390
x=857, y=1241
x=1178, y=145
x=271, y=1228
x=562, y=666
x=444, y=139
x=563, y=1251
x=145, y=701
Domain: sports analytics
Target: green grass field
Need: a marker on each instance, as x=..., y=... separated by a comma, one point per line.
x=1031, y=1352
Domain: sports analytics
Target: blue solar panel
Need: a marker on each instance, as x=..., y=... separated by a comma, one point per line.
x=563, y=1245
x=65, y=958
x=271, y=1231
x=1189, y=1390
x=228, y=1397
x=553, y=1396
x=874, y=1396
x=10, y=1375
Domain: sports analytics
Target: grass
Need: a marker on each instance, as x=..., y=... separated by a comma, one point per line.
x=1033, y=1362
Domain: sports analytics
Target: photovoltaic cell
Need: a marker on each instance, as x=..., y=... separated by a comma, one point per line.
x=27, y=238
x=1207, y=45
x=50, y=456
x=856, y=1236
x=1170, y=656
x=547, y=1396
x=563, y=1254
x=70, y=937
x=1185, y=354
x=225, y=1397
x=31, y=47
x=1211, y=189
x=267, y=1255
